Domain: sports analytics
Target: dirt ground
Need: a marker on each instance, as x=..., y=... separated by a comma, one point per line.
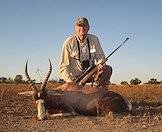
x=18, y=113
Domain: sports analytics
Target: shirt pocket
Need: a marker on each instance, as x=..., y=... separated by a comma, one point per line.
x=75, y=53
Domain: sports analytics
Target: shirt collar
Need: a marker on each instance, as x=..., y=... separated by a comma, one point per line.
x=80, y=40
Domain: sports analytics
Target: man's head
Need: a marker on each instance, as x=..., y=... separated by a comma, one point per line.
x=82, y=21
x=82, y=27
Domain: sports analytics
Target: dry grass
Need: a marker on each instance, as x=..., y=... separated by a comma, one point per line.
x=141, y=93
x=18, y=112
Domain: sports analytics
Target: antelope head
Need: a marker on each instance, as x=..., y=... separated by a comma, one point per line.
x=38, y=92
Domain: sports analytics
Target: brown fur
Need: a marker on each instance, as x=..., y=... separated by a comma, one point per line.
x=73, y=87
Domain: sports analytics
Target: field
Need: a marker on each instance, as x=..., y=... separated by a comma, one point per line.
x=18, y=112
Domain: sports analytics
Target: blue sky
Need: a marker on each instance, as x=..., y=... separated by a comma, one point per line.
x=36, y=29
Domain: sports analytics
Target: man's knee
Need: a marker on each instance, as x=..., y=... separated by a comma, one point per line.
x=108, y=70
x=104, y=78
x=106, y=73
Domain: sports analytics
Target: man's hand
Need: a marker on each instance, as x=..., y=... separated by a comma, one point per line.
x=99, y=71
x=100, y=66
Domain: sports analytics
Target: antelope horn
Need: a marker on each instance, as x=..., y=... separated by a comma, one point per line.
x=32, y=83
x=48, y=75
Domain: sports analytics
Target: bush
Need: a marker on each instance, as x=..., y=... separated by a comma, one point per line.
x=124, y=83
x=153, y=81
x=135, y=81
x=3, y=80
x=18, y=79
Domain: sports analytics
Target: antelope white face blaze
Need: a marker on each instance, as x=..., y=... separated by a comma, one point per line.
x=41, y=109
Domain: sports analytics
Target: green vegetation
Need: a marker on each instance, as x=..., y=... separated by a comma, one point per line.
x=19, y=80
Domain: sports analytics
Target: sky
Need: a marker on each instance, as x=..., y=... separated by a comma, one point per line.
x=34, y=30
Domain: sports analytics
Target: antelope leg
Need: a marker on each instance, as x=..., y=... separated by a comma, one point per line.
x=60, y=115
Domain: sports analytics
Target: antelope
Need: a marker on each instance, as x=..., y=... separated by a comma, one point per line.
x=75, y=100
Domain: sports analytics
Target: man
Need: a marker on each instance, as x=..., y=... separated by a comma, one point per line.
x=81, y=51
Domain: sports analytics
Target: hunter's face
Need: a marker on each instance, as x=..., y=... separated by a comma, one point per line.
x=82, y=30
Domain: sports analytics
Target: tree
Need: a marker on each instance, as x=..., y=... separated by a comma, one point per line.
x=153, y=81
x=124, y=83
x=3, y=80
x=18, y=79
x=135, y=81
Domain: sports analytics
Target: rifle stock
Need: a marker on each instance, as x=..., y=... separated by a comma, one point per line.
x=87, y=76
x=93, y=69
x=84, y=74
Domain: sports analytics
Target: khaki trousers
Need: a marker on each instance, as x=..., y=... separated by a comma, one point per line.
x=104, y=78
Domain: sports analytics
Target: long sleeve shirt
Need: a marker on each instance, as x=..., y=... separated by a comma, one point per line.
x=70, y=62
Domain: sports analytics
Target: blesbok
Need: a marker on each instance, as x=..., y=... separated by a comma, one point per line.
x=76, y=101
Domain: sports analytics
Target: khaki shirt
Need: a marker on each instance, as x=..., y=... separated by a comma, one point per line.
x=70, y=65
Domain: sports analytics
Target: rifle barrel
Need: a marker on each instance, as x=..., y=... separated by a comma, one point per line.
x=116, y=49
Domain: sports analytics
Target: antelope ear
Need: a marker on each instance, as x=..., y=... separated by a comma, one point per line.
x=26, y=93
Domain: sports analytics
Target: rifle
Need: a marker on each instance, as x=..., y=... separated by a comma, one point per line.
x=93, y=69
